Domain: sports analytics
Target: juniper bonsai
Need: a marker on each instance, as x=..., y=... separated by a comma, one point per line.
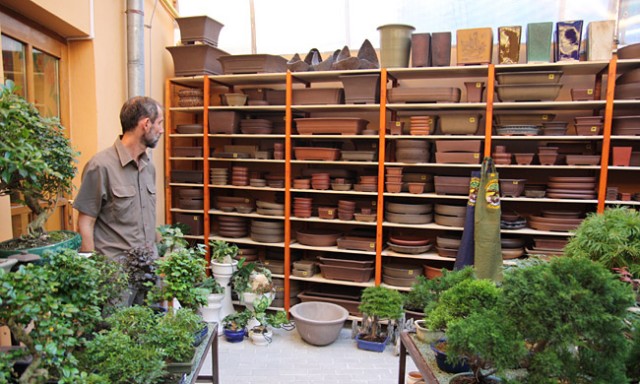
x=379, y=303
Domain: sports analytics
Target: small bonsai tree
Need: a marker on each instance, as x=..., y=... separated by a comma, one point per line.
x=181, y=272
x=237, y=321
x=251, y=277
x=570, y=311
x=223, y=252
x=611, y=238
x=378, y=304
x=140, y=265
x=171, y=238
x=37, y=162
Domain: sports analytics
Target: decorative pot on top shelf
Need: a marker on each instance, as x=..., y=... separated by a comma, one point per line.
x=421, y=50
x=395, y=45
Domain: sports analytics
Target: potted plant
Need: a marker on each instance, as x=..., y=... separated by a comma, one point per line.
x=377, y=304
x=181, y=271
x=140, y=265
x=171, y=238
x=222, y=257
x=37, y=166
x=252, y=280
x=61, y=301
x=235, y=325
x=611, y=238
x=570, y=311
x=174, y=334
x=261, y=333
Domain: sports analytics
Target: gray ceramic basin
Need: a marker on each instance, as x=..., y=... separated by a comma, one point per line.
x=319, y=323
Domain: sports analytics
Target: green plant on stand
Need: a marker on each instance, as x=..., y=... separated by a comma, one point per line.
x=223, y=252
x=37, y=166
x=171, y=238
x=181, y=271
x=261, y=333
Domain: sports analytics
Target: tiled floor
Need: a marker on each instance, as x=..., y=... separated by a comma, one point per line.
x=288, y=359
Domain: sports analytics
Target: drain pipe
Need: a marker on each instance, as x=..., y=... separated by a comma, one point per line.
x=135, y=47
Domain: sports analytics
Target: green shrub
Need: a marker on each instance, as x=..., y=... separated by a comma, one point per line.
x=425, y=291
x=380, y=303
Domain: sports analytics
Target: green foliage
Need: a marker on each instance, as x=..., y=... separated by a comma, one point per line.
x=181, y=272
x=633, y=368
x=174, y=335
x=611, y=238
x=237, y=320
x=278, y=319
x=36, y=158
x=458, y=302
x=171, y=238
x=570, y=311
x=488, y=340
x=425, y=291
x=123, y=360
x=139, y=263
x=223, y=252
x=62, y=300
x=133, y=321
x=211, y=285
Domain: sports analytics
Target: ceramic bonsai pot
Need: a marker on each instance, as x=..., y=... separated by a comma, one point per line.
x=395, y=45
x=474, y=91
x=474, y=45
x=420, y=50
x=539, y=42
x=199, y=28
x=512, y=187
x=319, y=323
x=247, y=64
x=375, y=346
x=361, y=89
x=441, y=359
x=568, y=38
x=509, y=44
x=441, y=49
x=197, y=59
x=621, y=156
x=423, y=333
x=234, y=336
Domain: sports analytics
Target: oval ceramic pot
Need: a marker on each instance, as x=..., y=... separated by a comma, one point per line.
x=258, y=337
x=73, y=242
x=223, y=269
x=441, y=360
x=467, y=377
x=425, y=334
x=234, y=336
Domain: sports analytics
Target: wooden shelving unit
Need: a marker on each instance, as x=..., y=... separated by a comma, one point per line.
x=601, y=75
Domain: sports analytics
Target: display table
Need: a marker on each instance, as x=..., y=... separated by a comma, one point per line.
x=210, y=343
x=423, y=358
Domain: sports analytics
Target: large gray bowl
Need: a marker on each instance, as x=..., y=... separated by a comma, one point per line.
x=319, y=323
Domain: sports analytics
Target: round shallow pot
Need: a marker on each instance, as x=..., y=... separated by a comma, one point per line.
x=319, y=323
x=425, y=334
x=318, y=237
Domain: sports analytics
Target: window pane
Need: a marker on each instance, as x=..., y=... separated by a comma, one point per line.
x=46, y=83
x=13, y=61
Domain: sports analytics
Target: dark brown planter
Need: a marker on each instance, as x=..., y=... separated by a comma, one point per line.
x=348, y=301
x=356, y=275
x=223, y=121
x=187, y=151
x=351, y=261
x=424, y=95
x=260, y=63
x=361, y=89
x=475, y=89
x=317, y=153
x=512, y=187
x=317, y=237
x=357, y=243
x=199, y=28
x=186, y=176
x=330, y=125
x=421, y=50
x=582, y=94
x=316, y=96
x=458, y=158
x=588, y=129
x=441, y=49
x=194, y=60
x=194, y=222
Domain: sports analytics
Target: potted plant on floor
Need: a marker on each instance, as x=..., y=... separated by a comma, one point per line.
x=37, y=166
x=377, y=304
x=570, y=311
x=261, y=333
x=180, y=272
x=235, y=325
x=61, y=301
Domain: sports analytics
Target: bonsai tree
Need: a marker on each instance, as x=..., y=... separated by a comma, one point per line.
x=61, y=301
x=237, y=321
x=426, y=291
x=181, y=272
x=223, y=252
x=460, y=301
x=611, y=238
x=377, y=304
x=140, y=265
x=570, y=311
x=37, y=162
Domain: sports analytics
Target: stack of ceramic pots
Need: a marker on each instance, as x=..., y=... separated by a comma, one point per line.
x=422, y=125
x=512, y=220
x=256, y=126
x=409, y=244
x=302, y=207
x=367, y=184
x=548, y=155
x=219, y=176
x=231, y=226
x=190, y=198
x=450, y=215
x=249, y=254
x=366, y=215
x=554, y=128
x=346, y=209
x=192, y=97
x=278, y=151
x=266, y=231
x=408, y=213
x=302, y=183
x=548, y=246
x=257, y=182
x=275, y=180
x=320, y=181
x=412, y=151
x=570, y=187
x=393, y=179
x=341, y=184
x=512, y=247
x=447, y=246
x=268, y=208
x=588, y=125
x=239, y=176
x=501, y=156
x=400, y=275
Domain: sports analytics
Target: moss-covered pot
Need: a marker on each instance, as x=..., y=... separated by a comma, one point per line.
x=73, y=242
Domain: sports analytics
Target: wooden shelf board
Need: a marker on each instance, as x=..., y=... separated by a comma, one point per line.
x=252, y=215
x=246, y=136
x=249, y=108
x=295, y=245
x=333, y=221
x=437, y=106
x=331, y=191
x=317, y=278
x=245, y=241
x=248, y=187
x=220, y=159
x=549, y=105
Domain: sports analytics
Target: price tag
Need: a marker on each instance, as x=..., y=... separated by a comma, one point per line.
x=589, y=91
x=476, y=155
x=552, y=76
x=410, y=272
x=195, y=218
x=330, y=212
x=235, y=155
x=594, y=129
x=545, y=117
x=423, y=177
x=478, y=85
x=372, y=245
x=472, y=119
x=515, y=182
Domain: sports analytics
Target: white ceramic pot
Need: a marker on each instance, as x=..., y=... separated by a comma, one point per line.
x=426, y=335
x=259, y=338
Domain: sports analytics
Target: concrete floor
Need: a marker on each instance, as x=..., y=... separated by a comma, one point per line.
x=288, y=359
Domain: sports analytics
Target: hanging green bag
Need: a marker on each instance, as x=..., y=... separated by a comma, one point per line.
x=488, y=250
